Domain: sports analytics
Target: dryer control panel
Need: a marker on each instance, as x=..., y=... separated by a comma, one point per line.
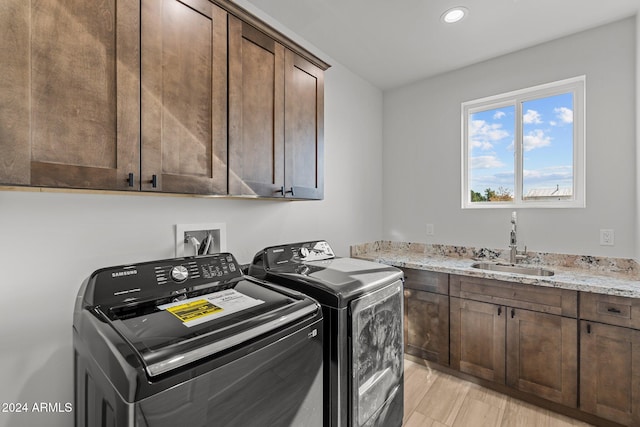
x=161, y=279
x=297, y=253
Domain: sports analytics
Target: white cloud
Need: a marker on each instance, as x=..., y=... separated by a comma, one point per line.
x=552, y=173
x=511, y=146
x=498, y=115
x=550, y=177
x=531, y=117
x=483, y=145
x=485, y=162
x=502, y=179
x=483, y=135
x=564, y=114
x=536, y=139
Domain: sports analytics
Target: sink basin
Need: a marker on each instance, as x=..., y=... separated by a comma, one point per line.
x=512, y=268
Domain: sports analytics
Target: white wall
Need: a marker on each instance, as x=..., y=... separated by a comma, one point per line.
x=422, y=149
x=49, y=242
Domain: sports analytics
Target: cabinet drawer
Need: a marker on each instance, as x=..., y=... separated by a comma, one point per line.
x=614, y=310
x=428, y=281
x=530, y=297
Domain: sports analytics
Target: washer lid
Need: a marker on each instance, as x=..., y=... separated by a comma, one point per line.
x=336, y=281
x=168, y=336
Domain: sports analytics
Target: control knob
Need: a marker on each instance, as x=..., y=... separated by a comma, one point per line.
x=179, y=273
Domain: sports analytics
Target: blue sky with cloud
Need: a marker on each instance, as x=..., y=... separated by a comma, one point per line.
x=547, y=141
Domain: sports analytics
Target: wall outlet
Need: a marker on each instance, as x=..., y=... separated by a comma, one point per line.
x=607, y=237
x=200, y=232
x=430, y=230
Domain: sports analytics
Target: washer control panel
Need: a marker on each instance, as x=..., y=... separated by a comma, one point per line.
x=218, y=267
x=157, y=279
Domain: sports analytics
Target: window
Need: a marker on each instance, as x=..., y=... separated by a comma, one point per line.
x=525, y=148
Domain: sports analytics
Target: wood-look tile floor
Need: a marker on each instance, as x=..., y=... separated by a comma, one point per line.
x=436, y=399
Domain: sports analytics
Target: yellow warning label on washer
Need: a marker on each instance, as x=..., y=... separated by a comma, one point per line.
x=203, y=308
x=194, y=310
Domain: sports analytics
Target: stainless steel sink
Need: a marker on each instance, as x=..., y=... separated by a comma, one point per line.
x=512, y=268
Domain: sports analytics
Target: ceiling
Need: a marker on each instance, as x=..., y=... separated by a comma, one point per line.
x=394, y=42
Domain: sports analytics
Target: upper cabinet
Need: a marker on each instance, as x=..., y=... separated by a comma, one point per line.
x=256, y=112
x=184, y=93
x=69, y=95
x=304, y=124
x=276, y=113
x=190, y=96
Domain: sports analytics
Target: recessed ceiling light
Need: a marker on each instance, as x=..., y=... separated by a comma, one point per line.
x=455, y=14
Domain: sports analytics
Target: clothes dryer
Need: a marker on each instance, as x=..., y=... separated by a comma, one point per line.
x=362, y=304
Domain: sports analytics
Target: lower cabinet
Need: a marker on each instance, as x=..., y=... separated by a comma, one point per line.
x=542, y=355
x=610, y=358
x=529, y=351
x=520, y=335
x=426, y=315
x=478, y=338
x=531, y=338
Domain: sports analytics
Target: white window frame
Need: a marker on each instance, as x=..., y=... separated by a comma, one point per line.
x=575, y=85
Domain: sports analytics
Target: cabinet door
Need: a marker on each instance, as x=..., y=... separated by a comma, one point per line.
x=610, y=372
x=426, y=325
x=256, y=112
x=478, y=339
x=304, y=124
x=69, y=97
x=542, y=355
x=184, y=98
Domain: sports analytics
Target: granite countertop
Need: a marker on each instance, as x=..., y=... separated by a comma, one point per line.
x=602, y=280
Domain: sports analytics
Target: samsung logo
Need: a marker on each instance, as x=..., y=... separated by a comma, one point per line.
x=124, y=273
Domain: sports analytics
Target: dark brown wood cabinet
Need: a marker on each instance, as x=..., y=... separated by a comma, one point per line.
x=256, y=112
x=528, y=339
x=542, y=355
x=276, y=113
x=178, y=96
x=515, y=334
x=610, y=358
x=478, y=339
x=184, y=93
x=69, y=94
x=304, y=128
x=426, y=315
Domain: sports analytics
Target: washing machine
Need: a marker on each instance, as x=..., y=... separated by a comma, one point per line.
x=194, y=342
x=362, y=304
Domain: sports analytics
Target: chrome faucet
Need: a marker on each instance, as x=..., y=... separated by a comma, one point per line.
x=514, y=254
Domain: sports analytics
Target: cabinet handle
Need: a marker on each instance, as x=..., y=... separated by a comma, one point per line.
x=513, y=313
x=613, y=310
x=130, y=180
x=283, y=192
x=499, y=311
x=588, y=328
x=154, y=181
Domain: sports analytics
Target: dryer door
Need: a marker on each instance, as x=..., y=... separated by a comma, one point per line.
x=377, y=357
